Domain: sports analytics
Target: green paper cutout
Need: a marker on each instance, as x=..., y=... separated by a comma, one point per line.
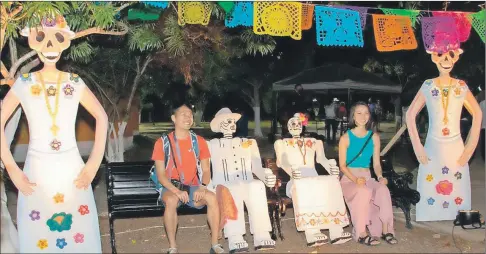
x=412, y=14
x=226, y=5
x=145, y=14
x=477, y=21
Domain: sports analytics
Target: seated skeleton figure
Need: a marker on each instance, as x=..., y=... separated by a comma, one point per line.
x=234, y=161
x=317, y=200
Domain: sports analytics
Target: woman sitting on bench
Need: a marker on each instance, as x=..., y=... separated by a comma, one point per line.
x=368, y=200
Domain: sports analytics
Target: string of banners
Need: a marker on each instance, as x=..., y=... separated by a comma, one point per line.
x=337, y=25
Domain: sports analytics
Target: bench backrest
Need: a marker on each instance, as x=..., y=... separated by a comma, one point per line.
x=128, y=183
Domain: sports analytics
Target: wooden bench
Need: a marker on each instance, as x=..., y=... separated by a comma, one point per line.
x=398, y=184
x=131, y=194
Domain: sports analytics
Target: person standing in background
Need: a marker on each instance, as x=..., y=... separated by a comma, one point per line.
x=397, y=105
x=331, y=111
x=297, y=103
x=372, y=107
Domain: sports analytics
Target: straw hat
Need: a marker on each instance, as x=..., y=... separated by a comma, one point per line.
x=220, y=116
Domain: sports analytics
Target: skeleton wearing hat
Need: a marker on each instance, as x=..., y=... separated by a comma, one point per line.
x=234, y=161
x=58, y=213
x=318, y=200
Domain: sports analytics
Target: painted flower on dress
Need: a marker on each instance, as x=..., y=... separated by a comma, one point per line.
x=61, y=243
x=42, y=244
x=290, y=142
x=445, y=170
x=462, y=83
x=337, y=221
x=457, y=91
x=430, y=201
x=458, y=200
x=429, y=178
x=51, y=91
x=74, y=77
x=246, y=144
x=25, y=77
x=68, y=90
x=313, y=222
x=60, y=222
x=83, y=209
x=58, y=198
x=300, y=143
x=458, y=175
x=428, y=82
x=445, y=204
x=445, y=92
x=435, y=92
x=309, y=143
x=56, y=145
x=35, y=90
x=34, y=215
x=444, y=187
x=445, y=132
x=78, y=238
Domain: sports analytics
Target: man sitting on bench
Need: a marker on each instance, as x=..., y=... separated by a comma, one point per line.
x=185, y=155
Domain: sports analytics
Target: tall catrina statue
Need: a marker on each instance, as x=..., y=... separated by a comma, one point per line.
x=443, y=178
x=56, y=210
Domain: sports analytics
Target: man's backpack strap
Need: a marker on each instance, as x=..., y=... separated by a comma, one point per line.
x=195, y=149
x=153, y=174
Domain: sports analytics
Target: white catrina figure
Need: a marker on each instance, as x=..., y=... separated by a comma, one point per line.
x=234, y=161
x=318, y=200
x=443, y=175
x=56, y=210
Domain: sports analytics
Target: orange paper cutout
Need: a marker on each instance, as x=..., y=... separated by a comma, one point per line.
x=393, y=33
x=227, y=206
x=307, y=16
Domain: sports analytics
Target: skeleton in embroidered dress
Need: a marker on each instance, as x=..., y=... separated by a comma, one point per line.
x=443, y=177
x=56, y=210
x=234, y=161
x=318, y=200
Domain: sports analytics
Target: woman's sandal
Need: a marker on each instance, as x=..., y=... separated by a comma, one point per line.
x=367, y=240
x=389, y=238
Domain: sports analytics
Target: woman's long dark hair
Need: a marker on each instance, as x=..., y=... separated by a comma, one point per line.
x=352, y=123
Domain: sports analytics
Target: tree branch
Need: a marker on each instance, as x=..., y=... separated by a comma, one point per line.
x=13, y=51
x=17, y=64
x=123, y=7
x=26, y=68
x=97, y=30
x=148, y=59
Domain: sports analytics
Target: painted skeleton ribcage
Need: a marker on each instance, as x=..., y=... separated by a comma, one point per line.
x=230, y=161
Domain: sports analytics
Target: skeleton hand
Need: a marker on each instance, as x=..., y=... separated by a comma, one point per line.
x=296, y=174
x=333, y=168
x=270, y=178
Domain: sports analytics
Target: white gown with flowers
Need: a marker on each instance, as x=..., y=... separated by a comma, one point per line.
x=57, y=217
x=444, y=186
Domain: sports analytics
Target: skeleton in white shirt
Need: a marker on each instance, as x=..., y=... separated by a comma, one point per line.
x=234, y=161
x=317, y=200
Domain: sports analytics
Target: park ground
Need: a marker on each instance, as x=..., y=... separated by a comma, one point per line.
x=147, y=235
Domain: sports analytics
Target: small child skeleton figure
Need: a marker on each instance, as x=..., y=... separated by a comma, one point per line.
x=234, y=161
x=318, y=200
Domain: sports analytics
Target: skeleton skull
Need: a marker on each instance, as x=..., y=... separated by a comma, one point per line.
x=295, y=126
x=445, y=61
x=228, y=126
x=50, y=39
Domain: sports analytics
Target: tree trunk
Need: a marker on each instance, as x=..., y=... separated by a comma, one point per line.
x=256, y=109
x=115, y=148
x=198, y=117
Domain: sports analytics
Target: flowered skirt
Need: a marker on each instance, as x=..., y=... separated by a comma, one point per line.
x=57, y=217
x=444, y=186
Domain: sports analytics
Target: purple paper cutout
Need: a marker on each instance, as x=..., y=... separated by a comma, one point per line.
x=439, y=34
x=363, y=11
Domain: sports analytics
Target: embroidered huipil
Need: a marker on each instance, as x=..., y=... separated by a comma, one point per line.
x=444, y=186
x=57, y=217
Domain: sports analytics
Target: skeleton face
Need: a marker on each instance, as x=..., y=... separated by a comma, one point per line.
x=228, y=126
x=49, y=43
x=445, y=61
x=295, y=126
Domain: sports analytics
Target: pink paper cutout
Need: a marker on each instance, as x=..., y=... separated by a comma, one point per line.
x=463, y=25
x=439, y=34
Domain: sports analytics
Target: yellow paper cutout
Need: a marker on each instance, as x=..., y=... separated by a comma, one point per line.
x=194, y=12
x=307, y=16
x=278, y=19
x=393, y=33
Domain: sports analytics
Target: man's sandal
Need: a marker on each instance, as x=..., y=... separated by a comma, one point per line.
x=389, y=238
x=367, y=240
